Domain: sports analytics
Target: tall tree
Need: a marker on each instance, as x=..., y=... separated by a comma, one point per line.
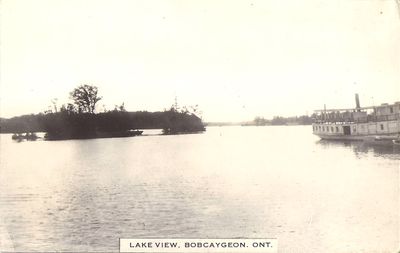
x=85, y=98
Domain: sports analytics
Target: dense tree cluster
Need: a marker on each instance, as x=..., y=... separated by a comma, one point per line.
x=79, y=120
x=67, y=125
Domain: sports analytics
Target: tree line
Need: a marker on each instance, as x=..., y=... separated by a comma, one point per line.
x=79, y=119
x=278, y=120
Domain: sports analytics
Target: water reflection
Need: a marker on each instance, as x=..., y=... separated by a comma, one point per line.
x=359, y=147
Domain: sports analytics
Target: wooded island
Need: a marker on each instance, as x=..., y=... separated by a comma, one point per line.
x=79, y=120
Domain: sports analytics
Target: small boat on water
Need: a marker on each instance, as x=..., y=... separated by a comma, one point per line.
x=376, y=124
x=378, y=140
x=135, y=132
x=27, y=136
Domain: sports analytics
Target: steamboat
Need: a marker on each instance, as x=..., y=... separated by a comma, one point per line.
x=372, y=123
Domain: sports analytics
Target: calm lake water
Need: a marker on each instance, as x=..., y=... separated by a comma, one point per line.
x=268, y=182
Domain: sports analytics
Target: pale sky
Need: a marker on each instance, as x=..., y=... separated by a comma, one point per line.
x=235, y=59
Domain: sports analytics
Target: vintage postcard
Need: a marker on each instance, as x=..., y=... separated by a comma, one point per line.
x=200, y=126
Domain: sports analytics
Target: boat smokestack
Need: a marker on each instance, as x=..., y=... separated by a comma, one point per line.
x=357, y=102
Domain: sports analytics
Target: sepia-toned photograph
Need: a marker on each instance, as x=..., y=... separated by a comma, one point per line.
x=200, y=126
